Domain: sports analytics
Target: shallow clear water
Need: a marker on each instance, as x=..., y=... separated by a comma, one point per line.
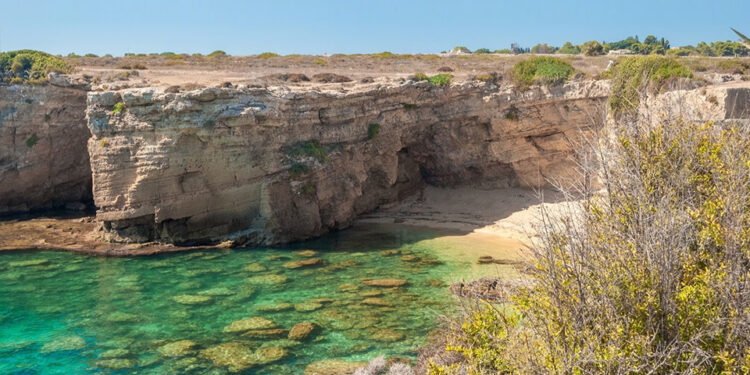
x=62, y=313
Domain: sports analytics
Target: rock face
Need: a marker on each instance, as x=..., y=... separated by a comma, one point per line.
x=43, y=161
x=264, y=166
x=727, y=102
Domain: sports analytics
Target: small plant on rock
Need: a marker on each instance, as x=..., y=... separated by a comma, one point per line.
x=372, y=131
x=443, y=79
x=119, y=107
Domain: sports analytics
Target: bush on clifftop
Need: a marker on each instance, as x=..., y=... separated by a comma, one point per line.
x=541, y=70
x=30, y=66
x=632, y=75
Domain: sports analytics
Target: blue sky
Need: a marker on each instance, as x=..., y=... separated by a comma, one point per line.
x=353, y=26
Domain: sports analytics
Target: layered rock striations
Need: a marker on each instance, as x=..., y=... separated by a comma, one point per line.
x=264, y=166
x=43, y=161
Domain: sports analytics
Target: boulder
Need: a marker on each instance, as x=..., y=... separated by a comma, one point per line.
x=249, y=324
x=303, y=263
x=177, y=348
x=302, y=331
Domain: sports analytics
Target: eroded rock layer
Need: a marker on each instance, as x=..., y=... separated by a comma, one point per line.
x=264, y=166
x=43, y=163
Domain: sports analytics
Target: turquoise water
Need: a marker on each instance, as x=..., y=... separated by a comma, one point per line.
x=62, y=313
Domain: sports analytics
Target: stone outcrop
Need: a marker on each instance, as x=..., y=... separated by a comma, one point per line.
x=43, y=161
x=264, y=166
x=727, y=102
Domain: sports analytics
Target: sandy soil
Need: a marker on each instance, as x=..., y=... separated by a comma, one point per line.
x=506, y=214
x=207, y=71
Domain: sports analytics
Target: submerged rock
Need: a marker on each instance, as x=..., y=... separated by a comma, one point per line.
x=66, y=343
x=374, y=301
x=267, y=355
x=239, y=357
x=233, y=355
x=114, y=353
x=348, y=287
x=306, y=253
x=267, y=279
x=121, y=317
x=409, y=258
x=302, y=331
x=177, y=348
x=265, y=333
x=303, y=263
x=275, y=307
x=188, y=299
x=255, y=267
x=250, y=324
x=333, y=367
x=216, y=292
x=308, y=306
x=387, y=335
x=281, y=343
x=387, y=283
x=115, y=363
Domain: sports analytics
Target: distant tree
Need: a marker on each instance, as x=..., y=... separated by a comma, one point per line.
x=543, y=48
x=592, y=48
x=569, y=48
x=482, y=50
x=626, y=43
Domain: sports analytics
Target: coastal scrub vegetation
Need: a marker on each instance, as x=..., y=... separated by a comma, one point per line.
x=541, y=70
x=648, y=273
x=631, y=76
x=311, y=149
x=443, y=79
x=30, y=66
x=268, y=55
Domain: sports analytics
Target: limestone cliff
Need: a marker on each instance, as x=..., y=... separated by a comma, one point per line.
x=264, y=166
x=43, y=163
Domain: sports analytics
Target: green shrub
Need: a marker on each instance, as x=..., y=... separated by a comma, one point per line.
x=730, y=66
x=312, y=149
x=320, y=61
x=541, y=70
x=443, y=79
x=298, y=169
x=31, y=141
x=383, y=55
x=372, y=131
x=91, y=55
x=481, y=50
x=217, y=53
x=504, y=51
x=631, y=76
x=419, y=76
x=647, y=276
x=28, y=65
x=512, y=113
x=268, y=55
x=119, y=107
x=409, y=106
